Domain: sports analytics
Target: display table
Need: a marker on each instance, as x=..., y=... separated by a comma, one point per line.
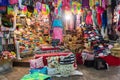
x=51, y=55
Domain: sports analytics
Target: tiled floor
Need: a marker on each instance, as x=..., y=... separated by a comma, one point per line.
x=89, y=74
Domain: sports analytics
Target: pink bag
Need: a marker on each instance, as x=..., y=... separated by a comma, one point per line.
x=37, y=63
x=13, y=1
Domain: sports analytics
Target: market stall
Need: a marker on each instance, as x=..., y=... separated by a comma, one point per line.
x=62, y=32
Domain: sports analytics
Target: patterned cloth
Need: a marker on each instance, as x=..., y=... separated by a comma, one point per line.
x=58, y=33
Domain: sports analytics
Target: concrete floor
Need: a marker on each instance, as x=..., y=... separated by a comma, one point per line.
x=89, y=74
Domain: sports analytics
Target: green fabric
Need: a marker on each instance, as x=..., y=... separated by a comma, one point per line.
x=35, y=76
x=10, y=10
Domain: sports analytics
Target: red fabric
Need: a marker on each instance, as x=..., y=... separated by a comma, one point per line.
x=51, y=55
x=79, y=58
x=111, y=60
x=65, y=4
x=99, y=20
x=44, y=49
x=89, y=19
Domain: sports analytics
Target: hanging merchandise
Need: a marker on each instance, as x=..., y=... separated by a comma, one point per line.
x=13, y=1
x=58, y=33
x=24, y=10
x=57, y=23
x=45, y=9
x=38, y=6
x=117, y=2
x=99, y=13
x=4, y=2
x=104, y=4
x=20, y=4
x=3, y=9
x=65, y=4
x=85, y=3
x=10, y=10
x=76, y=7
x=91, y=3
x=27, y=2
x=94, y=15
x=89, y=20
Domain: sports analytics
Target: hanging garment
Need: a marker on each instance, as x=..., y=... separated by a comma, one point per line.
x=13, y=1
x=104, y=24
x=109, y=20
x=4, y=2
x=58, y=33
x=78, y=20
x=65, y=4
x=94, y=15
x=103, y=3
x=91, y=3
x=85, y=3
x=99, y=13
x=89, y=20
x=3, y=9
x=71, y=27
x=117, y=1
x=38, y=6
x=113, y=2
x=109, y=15
x=108, y=2
x=57, y=23
x=27, y=2
x=20, y=4
x=104, y=19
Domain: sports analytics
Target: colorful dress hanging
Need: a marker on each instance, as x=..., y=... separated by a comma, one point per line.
x=76, y=7
x=66, y=4
x=58, y=33
x=89, y=20
x=94, y=16
x=13, y=1
x=38, y=6
x=99, y=13
x=85, y=3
